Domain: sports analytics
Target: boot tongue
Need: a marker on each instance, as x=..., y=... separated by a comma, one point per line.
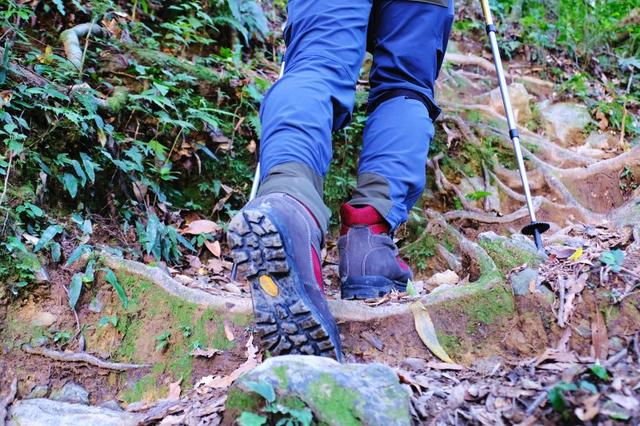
x=362, y=216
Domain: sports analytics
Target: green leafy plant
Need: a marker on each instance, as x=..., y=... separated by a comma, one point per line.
x=162, y=341
x=613, y=259
x=275, y=413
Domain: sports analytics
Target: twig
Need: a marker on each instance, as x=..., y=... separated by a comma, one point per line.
x=8, y=399
x=82, y=357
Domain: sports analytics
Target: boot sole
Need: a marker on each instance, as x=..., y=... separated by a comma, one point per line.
x=287, y=322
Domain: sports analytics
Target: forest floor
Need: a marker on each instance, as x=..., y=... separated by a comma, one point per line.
x=532, y=339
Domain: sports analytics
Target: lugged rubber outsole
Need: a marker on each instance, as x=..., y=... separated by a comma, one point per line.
x=286, y=321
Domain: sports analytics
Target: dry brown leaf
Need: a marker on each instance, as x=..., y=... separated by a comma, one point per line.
x=174, y=391
x=574, y=287
x=227, y=331
x=599, y=338
x=427, y=332
x=201, y=226
x=557, y=356
x=628, y=402
x=218, y=382
x=590, y=408
x=445, y=366
x=214, y=247
x=208, y=353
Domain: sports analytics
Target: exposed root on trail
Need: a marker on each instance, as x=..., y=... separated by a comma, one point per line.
x=7, y=400
x=82, y=357
x=71, y=41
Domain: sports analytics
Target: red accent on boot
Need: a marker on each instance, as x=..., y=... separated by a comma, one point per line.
x=317, y=268
x=366, y=215
x=402, y=264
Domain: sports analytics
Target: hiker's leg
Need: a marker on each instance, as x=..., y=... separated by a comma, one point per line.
x=408, y=40
x=325, y=47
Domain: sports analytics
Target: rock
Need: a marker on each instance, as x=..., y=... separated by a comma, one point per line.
x=43, y=319
x=447, y=277
x=413, y=364
x=591, y=152
x=509, y=252
x=520, y=99
x=565, y=121
x=39, y=391
x=599, y=141
x=521, y=282
x=336, y=394
x=38, y=412
x=71, y=392
x=112, y=404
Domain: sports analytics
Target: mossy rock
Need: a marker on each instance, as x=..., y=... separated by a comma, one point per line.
x=508, y=253
x=333, y=393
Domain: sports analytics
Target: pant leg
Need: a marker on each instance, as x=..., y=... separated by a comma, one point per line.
x=325, y=47
x=408, y=40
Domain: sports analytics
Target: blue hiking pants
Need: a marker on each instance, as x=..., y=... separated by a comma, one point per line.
x=326, y=41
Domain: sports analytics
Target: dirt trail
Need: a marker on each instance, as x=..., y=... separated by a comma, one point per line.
x=498, y=334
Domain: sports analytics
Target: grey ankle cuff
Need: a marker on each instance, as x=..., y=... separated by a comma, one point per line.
x=372, y=190
x=302, y=183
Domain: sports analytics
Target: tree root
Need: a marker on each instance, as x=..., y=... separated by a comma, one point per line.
x=71, y=41
x=82, y=357
x=7, y=400
x=555, y=153
x=444, y=184
x=489, y=218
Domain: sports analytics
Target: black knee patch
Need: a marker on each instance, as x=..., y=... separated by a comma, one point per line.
x=407, y=94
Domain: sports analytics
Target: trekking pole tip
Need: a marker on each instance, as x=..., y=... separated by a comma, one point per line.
x=536, y=229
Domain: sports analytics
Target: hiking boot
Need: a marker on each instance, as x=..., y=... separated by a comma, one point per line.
x=369, y=263
x=275, y=243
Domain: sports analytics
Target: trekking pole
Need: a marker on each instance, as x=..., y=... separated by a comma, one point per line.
x=535, y=228
x=255, y=184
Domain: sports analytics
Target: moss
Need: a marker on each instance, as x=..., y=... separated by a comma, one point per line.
x=146, y=388
x=334, y=400
x=242, y=320
x=189, y=325
x=451, y=343
x=239, y=401
x=281, y=373
x=507, y=256
x=484, y=307
x=424, y=247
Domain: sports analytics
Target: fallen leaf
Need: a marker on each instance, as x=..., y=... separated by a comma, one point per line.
x=577, y=254
x=208, y=353
x=445, y=366
x=628, y=402
x=590, y=408
x=599, y=338
x=201, y=226
x=441, y=278
x=173, y=420
x=227, y=332
x=174, y=391
x=214, y=247
x=427, y=332
x=219, y=382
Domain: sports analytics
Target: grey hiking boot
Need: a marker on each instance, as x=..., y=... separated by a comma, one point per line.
x=275, y=243
x=369, y=263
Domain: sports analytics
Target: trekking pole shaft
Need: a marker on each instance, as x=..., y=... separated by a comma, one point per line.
x=506, y=101
x=256, y=176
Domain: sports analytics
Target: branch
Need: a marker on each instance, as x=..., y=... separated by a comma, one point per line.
x=82, y=357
